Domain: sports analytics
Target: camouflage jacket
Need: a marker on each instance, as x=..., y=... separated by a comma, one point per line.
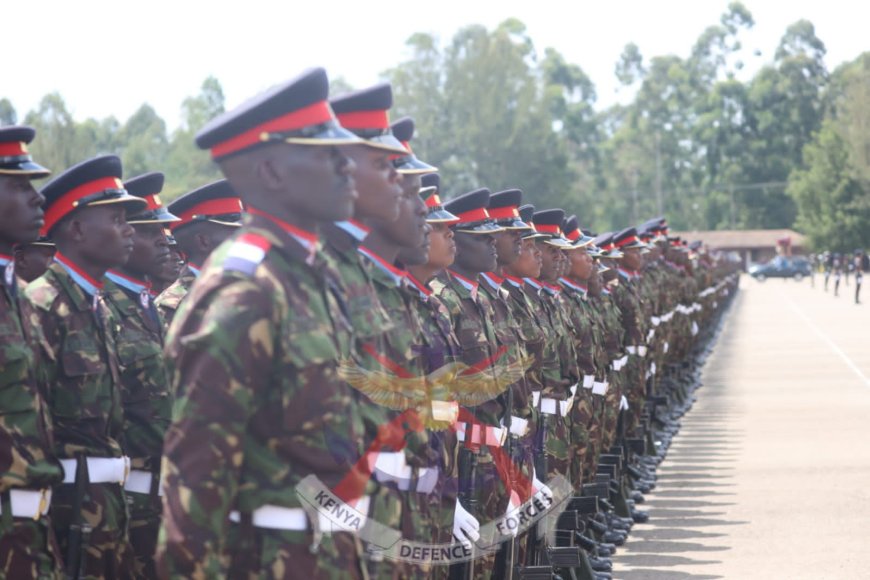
x=612, y=325
x=562, y=339
x=628, y=298
x=507, y=332
x=574, y=296
x=259, y=405
x=532, y=336
x=79, y=366
x=551, y=366
x=170, y=299
x=145, y=392
x=472, y=314
x=26, y=446
x=403, y=349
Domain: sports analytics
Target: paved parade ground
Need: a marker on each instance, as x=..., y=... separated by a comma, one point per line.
x=769, y=476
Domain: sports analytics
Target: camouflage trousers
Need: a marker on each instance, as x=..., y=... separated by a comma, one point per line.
x=145, y=518
x=596, y=437
x=491, y=493
x=581, y=417
x=269, y=554
x=556, y=433
x=28, y=549
x=635, y=392
x=107, y=553
x=611, y=412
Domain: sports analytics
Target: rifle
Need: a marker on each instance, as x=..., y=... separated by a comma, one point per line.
x=79, y=530
x=510, y=550
x=467, y=475
x=538, y=544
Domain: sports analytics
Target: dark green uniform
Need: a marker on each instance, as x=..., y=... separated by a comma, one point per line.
x=84, y=395
x=28, y=468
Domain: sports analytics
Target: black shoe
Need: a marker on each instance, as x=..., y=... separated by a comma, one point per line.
x=600, y=564
x=637, y=496
x=603, y=576
x=613, y=537
x=639, y=517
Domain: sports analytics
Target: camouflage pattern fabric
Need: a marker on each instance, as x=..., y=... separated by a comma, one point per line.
x=147, y=411
x=170, y=299
x=258, y=407
x=28, y=548
x=80, y=372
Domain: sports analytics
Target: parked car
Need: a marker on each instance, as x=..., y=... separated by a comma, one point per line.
x=781, y=267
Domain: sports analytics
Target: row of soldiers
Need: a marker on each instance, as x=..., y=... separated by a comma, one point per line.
x=348, y=378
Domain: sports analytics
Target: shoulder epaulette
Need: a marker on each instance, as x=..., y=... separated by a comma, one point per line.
x=246, y=253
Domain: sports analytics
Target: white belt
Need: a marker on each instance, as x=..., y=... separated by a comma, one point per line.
x=652, y=368
x=641, y=350
x=588, y=380
x=650, y=334
x=655, y=320
x=276, y=517
x=550, y=406
x=392, y=467
x=600, y=388
x=536, y=398
x=139, y=481
x=100, y=469
x=519, y=426
x=482, y=434
x=636, y=350
x=295, y=519
x=29, y=503
x=666, y=346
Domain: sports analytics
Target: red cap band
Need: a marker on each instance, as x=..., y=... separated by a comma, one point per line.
x=209, y=208
x=500, y=213
x=68, y=201
x=314, y=114
x=548, y=229
x=573, y=235
x=365, y=120
x=13, y=149
x=153, y=201
x=475, y=215
x=433, y=201
x=627, y=241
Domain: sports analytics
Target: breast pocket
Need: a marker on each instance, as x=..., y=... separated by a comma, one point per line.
x=143, y=369
x=80, y=391
x=16, y=382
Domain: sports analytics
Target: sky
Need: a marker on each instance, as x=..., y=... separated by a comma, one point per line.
x=108, y=57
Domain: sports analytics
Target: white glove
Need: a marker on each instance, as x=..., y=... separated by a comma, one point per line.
x=466, y=528
x=623, y=404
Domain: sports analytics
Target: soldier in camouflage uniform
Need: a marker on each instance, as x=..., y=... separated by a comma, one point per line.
x=440, y=347
x=85, y=216
x=583, y=412
x=557, y=395
x=255, y=346
x=28, y=467
x=630, y=302
x=138, y=337
x=34, y=258
x=484, y=489
x=376, y=334
x=171, y=269
x=207, y=216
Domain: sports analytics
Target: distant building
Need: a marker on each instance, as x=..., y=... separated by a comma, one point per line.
x=754, y=246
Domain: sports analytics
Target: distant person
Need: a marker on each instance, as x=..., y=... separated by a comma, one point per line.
x=858, y=264
x=837, y=268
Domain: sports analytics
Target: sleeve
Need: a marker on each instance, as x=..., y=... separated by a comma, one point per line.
x=221, y=357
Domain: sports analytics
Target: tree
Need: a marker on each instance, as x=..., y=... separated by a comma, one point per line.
x=833, y=205
x=8, y=116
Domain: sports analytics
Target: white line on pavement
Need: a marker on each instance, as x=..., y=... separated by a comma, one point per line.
x=827, y=340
